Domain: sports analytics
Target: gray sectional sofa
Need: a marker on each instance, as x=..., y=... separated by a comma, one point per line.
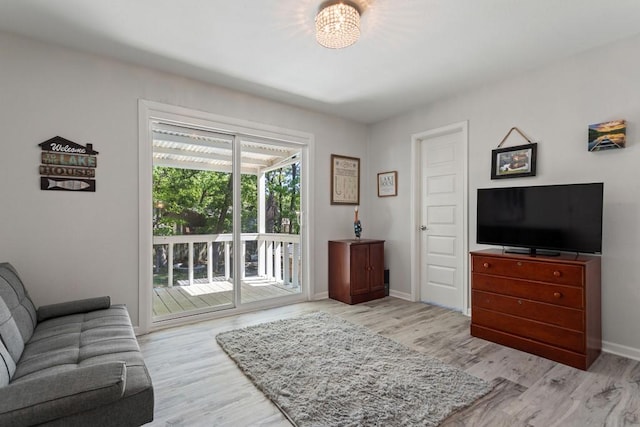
x=69, y=364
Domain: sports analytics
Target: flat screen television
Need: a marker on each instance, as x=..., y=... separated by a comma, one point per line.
x=547, y=217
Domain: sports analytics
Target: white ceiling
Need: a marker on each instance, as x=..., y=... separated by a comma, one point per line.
x=411, y=52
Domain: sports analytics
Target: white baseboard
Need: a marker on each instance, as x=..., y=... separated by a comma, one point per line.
x=400, y=295
x=321, y=295
x=621, y=350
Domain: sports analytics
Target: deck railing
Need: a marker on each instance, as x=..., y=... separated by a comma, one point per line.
x=278, y=255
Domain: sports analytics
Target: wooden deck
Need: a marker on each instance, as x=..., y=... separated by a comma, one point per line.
x=203, y=294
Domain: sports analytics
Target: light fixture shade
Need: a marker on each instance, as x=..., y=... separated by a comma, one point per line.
x=338, y=24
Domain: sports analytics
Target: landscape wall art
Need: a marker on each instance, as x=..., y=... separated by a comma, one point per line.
x=607, y=135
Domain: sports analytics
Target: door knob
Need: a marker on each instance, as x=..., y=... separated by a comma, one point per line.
x=423, y=228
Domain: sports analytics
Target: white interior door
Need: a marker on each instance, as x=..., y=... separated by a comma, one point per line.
x=443, y=218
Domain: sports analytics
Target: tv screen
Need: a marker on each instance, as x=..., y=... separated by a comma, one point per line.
x=554, y=217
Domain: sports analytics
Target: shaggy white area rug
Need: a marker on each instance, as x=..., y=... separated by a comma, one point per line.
x=321, y=370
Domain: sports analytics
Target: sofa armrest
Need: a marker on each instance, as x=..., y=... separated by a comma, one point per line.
x=73, y=307
x=43, y=399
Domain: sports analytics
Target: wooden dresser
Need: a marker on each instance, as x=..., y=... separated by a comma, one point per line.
x=549, y=306
x=356, y=270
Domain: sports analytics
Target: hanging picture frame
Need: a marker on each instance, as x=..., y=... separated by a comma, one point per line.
x=345, y=180
x=514, y=162
x=388, y=184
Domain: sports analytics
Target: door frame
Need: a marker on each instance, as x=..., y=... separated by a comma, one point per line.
x=148, y=110
x=416, y=203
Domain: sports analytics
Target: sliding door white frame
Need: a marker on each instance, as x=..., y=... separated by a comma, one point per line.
x=149, y=111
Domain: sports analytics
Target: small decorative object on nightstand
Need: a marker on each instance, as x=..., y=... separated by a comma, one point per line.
x=357, y=226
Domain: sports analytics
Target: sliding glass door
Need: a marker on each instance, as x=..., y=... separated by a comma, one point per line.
x=226, y=218
x=271, y=241
x=192, y=221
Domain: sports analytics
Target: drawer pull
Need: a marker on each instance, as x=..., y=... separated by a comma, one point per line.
x=519, y=264
x=485, y=265
x=557, y=273
x=557, y=294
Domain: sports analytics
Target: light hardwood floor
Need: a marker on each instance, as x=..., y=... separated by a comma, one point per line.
x=196, y=384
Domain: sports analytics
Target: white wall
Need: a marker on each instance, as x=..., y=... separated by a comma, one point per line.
x=553, y=106
x=73, y=245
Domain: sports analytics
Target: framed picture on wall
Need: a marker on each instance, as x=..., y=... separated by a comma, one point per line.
x=514, y=162
x=607, y=135
x=388, y=184
x=345, y=180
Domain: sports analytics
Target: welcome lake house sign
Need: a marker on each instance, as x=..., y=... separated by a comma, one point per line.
x=67, y=166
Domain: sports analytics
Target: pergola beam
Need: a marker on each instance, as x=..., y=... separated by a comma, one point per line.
x=209, y=156
x=207, y=142
x=202, y=166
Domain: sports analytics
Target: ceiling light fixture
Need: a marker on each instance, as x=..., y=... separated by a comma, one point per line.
x=338, y=24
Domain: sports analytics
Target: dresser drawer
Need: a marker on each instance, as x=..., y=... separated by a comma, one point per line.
x=567, y=296
x=542, y=312
x=550, y=334
x=565, y=274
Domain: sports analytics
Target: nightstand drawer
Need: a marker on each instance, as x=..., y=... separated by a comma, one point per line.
x=566, y=296
x=560, y=316
x=565, y=274
x=550, y=334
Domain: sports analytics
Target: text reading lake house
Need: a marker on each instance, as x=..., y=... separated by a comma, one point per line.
x=67, y=166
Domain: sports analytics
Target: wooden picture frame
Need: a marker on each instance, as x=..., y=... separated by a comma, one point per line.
x=388, y=184
x=514, y=162
x=345, y=180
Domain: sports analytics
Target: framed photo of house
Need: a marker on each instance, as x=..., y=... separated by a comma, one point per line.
x=345, y=180
x=514, y=162
x=388, y=184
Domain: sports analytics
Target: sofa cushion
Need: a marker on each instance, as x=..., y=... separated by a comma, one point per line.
x=73, y=307
x=68, y=342
x=63, y=394
x=10, y=335
x=17, y=313
x=7, y=365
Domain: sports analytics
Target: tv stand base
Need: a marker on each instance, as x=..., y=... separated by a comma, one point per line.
x=531, y=252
